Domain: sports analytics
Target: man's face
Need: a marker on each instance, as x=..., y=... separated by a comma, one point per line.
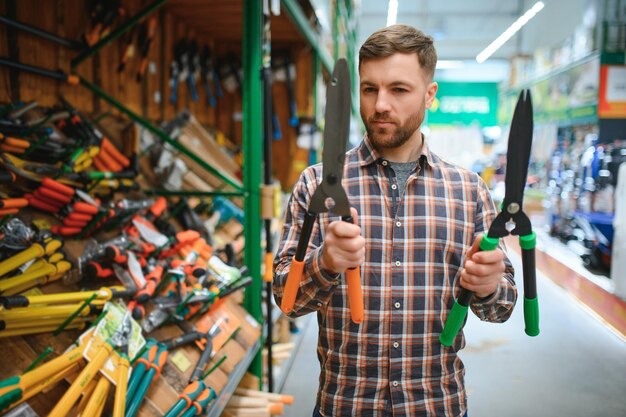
x=395, y=94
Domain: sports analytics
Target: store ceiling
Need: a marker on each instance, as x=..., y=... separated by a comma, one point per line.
x=461, y=28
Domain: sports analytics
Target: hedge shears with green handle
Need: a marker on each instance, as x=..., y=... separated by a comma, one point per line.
x=336, y=132
x=511, y=220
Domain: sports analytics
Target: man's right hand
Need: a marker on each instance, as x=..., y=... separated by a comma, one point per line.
x=344, y=247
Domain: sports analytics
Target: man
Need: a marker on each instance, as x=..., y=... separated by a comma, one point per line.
x=418, y=223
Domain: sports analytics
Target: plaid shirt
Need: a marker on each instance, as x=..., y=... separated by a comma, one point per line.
x=415, y=248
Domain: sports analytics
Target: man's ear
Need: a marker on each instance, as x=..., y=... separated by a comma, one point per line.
x=430, y=93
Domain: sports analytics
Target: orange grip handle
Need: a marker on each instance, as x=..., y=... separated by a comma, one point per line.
x=85, y=208
x=11, y=203
x=41, y=205
x=11, y=149
x=51, y=201
x=110, y=149
x=79, y=217
x=355, y=294
x=99, y=165
x=187, y=236
x=158, y=207
x=57, y=186
x=292, y=285
x=269, y=262
x=6, y=212
x=109, y=161
x=53, y=195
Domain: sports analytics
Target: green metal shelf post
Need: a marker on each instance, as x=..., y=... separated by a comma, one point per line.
x=253, y=154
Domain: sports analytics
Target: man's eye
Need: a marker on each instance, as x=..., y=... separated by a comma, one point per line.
x=369, y=89
x=399, y=90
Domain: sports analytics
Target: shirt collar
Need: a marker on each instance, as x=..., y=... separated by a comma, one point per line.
x=368, y=155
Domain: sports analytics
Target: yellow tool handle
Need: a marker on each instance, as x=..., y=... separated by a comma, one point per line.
x=52, y=245
x=61, y=268
x=49, y=382
x=86, y=397
x=19, y=259
x=46, y=312
x=88, y=373
x=43, y=329
x=51, y=368
x=98, y=398
x=35, y=323
x=7, y=284
x=119, y=406
x=62, y=298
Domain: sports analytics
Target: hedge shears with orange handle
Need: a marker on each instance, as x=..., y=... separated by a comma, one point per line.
x=511, y=220
x=336, y=134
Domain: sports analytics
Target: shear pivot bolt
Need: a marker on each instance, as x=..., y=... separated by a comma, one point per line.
x=513, y=208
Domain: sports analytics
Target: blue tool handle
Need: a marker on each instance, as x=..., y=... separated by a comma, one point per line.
x=209, y=94
x=218, y=88
x=174, y=90
x=192, y=87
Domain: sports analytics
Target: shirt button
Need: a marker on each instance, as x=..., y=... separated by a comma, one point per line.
x=397, y=304
x=396, y=345
x=398, y=224
x=398, y=263
x=319, y=304
x=394, y=186
x=385, y=163
x=394, y=383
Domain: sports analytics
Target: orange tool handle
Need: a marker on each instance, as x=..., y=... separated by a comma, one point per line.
x=58, y=187
x=99, y=165
x=292, y=285
x=38, y=195
x=297, y=264
x=158, y=207
x=269, y=262
x=355, y=294
x=41, y=205
x=85, y=208
x=109, y=148
x=6, y=212
x=109, y=162
x=11, y=149
x=74, y=223
x=11, y=203
x=79, y=217
x=187, y=236
x=53, y=195
x=16, y=143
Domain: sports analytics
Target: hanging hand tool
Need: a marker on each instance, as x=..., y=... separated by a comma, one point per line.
x=285, y=62
x=145, y=38
x=336, y=134
x=58, y=75
x=207, y=74
x=512, y=214
x=193, y=61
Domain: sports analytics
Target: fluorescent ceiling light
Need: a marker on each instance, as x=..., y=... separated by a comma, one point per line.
x=507, y=34
x=449, y=64
x=392, y=12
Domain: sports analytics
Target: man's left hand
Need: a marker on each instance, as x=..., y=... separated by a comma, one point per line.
x=482, y=270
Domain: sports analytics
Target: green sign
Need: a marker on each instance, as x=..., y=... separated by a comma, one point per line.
x=464, y=104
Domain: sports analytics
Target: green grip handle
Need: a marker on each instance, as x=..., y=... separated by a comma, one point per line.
x=9, y=397
x=453, y=324
x=177, y=408
x=531, y=316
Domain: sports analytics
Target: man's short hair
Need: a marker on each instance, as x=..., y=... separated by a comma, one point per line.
x=400, y=39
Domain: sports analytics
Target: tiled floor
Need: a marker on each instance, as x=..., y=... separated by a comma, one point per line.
x=576, y=367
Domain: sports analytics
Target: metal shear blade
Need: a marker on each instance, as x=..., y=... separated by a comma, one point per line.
x=336, y=132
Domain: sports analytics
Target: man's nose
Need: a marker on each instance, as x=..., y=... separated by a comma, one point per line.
x=382, y=102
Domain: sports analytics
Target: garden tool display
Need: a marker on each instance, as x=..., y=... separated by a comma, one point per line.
x=336, y=134
x=512, y=214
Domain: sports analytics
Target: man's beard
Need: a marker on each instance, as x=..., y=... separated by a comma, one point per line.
x=379, y=137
